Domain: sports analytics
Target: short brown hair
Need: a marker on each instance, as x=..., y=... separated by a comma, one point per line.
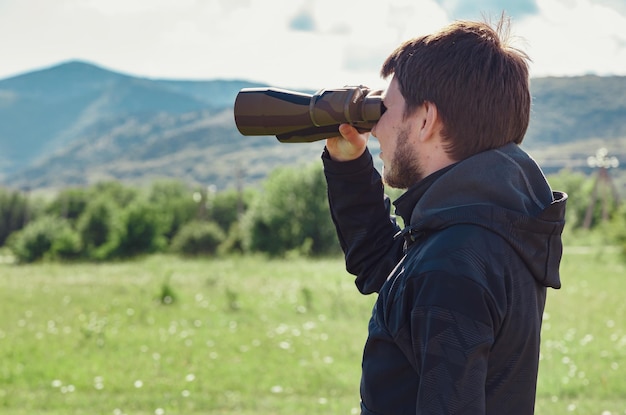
x=479, y=83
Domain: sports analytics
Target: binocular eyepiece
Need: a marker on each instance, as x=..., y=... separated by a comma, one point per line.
x=295, y=117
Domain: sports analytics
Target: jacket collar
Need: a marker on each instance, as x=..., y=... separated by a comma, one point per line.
x=406, y=203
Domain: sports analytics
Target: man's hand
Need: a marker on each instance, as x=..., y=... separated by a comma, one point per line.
x=349, y=146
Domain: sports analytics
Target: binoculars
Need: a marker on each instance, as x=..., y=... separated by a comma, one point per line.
x=295, y=117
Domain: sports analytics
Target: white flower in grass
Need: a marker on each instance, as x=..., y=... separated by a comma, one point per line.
x=98, y=383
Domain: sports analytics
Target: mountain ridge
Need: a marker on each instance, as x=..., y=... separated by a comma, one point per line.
x=76, y=123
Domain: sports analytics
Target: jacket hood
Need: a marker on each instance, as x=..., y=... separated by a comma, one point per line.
x=502, y=190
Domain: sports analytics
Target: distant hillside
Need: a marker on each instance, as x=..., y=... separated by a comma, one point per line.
x=577, y=108
x=76, y=123
x=202, y=147
x=45, y=110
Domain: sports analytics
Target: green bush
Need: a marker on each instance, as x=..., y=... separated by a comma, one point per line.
x=69, y=203
x=198, y=238
x=45, y=238
x=14, y=213
x=111, y=220
x=580, y=189
x=142, y=230
x=228, y=206
x=174, y=201
x=617, y=230
x=114, y=191
x=291, y=215
x=100, y=228
x=233, y=242
x=66, y=244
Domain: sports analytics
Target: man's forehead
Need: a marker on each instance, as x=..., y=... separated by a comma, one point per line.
x=392, y=90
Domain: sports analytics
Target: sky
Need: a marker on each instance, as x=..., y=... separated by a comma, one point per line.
x=310, y=44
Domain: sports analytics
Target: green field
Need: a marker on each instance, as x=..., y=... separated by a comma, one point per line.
x=246, y=335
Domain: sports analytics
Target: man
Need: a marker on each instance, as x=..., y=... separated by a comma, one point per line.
x=462, y=288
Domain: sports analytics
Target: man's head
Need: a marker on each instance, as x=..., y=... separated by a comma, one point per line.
x=478, y=83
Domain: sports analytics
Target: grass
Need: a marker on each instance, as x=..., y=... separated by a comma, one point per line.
x=171, y=336
x=163, y=335
x=583, y=357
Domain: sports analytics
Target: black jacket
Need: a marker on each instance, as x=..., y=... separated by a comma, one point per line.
x=462, y=288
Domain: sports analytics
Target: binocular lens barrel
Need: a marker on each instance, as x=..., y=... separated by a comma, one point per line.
x=295, y=117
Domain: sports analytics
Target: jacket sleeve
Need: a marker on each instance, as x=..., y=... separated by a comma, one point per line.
x=361, y=214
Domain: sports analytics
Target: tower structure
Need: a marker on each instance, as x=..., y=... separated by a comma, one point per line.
x=603, y=183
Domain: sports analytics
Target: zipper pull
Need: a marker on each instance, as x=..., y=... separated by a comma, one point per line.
x=410, y=234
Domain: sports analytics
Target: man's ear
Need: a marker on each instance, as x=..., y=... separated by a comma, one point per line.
x=431, y=124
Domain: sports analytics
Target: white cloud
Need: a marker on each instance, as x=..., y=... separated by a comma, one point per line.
x=124, y=7
x=575, y=37
x=345, y=43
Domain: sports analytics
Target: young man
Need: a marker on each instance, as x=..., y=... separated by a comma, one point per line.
x=462, y=288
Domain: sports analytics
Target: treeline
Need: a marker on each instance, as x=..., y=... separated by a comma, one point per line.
x=108, y=221
x=288, y=215
x=596, y=213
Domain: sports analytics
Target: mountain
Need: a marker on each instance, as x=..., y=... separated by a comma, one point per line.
x=576, y=108
x=77, y=123
x=44, y=111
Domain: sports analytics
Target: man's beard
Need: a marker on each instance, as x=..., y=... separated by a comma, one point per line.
x=404, y=169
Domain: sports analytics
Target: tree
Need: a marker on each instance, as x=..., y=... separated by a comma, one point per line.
x=174, y=201
x=198, y=238
x=141, y=230
x=15, y=212
x=46, y=237
x=115, y=192
x=578, y=188
x=100, y=228
x=227, y=206
x=69, y=203
x=291, y=214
